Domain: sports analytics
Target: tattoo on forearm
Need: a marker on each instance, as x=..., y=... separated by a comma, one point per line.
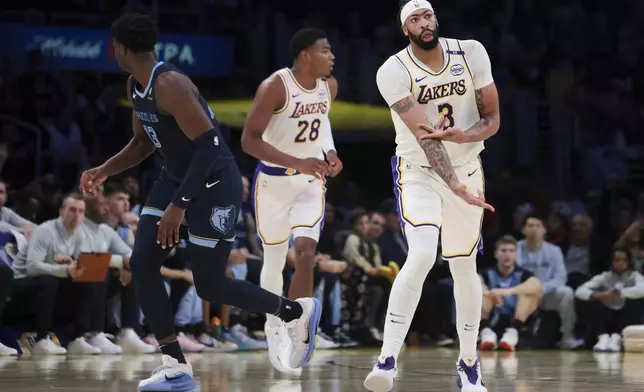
x=483, y=125
x=403, y=106
x=434, y=149
x=438, y=159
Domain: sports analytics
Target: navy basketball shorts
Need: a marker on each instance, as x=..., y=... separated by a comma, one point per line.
x=212, y=214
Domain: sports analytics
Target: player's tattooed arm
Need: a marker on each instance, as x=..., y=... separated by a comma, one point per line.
x=487, y=102
x=412, y=114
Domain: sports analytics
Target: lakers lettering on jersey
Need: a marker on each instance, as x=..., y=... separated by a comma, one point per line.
x=449, y=92
x=301, y=127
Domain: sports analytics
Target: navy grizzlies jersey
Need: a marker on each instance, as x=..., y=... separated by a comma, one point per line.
x=164, y=131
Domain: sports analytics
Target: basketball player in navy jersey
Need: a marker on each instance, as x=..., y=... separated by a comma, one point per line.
x=200, y=187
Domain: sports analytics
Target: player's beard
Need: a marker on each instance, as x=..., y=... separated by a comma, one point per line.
x=426, y=45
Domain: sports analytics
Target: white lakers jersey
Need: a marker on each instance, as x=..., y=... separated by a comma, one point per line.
x=450, y=92
x=301, y=127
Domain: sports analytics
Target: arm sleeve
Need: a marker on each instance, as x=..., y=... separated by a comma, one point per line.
x=479, y=63
x=393, y=80
x=560, y=275
x=587, y=289
x=636, y=291
x=37, y=252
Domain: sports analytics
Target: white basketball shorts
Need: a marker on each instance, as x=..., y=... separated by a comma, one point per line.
x=424, y=199
x=286, y=203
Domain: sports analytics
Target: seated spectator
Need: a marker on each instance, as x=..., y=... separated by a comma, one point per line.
x=614, y=297
x=546, y=262
x=368, y=289
x=9, y=220
x=119, y=205
x=100, y=238
x=392, y=242
x=578, y=255
x=49, y=261
x=511, y=295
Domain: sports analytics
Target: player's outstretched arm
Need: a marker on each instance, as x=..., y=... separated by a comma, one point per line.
x=135, y=152
x=271, y=96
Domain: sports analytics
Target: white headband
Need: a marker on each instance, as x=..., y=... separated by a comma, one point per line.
x=413, y=6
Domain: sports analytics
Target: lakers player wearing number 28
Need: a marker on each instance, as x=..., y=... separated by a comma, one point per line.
x=444, y=104
x=288, y=130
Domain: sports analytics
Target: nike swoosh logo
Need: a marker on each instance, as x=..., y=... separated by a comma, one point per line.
x=185, y=199
x=212, y=184
x=295, y=95
x=311, y=180
x=421, y=79
x=174, y=378
x=470, y=174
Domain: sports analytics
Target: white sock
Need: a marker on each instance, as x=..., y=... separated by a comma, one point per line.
x=271, y=276
x=468, y=295
x=407, y=288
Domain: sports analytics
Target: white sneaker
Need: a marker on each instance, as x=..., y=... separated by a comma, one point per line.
x=80, y=346
x=570, y=343
x=469, y=376
x=131, y=343
x=47, y=347
x=488, y=340
x=602, y=343
x=382, y=376
x=106, y=346
x=7, y=351
x=279, y=349
x=303, y=332
x=325, y=343
x=171, y=376
x=615, y=343
x=510, y=339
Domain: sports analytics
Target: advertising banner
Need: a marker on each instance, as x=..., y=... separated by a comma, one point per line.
x=71, y=48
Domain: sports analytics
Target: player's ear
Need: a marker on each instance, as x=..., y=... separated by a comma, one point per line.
x=403, y=28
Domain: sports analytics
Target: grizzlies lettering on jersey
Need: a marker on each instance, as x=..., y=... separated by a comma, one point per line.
x=301, y=126
x=165, y=133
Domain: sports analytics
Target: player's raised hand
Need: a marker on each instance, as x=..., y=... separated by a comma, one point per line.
x=461, y=191
x=313, y=167
x=91, y=179
x=335, y=164
x=169, y=226
x=455, y=135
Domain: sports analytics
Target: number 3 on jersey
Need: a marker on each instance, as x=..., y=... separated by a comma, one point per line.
x=447, y=110
x=308, y=131
x=153, y=135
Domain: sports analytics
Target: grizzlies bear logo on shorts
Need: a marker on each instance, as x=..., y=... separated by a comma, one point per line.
x=223, y=218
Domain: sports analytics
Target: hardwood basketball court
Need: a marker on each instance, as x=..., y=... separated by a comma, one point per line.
x=334, y=371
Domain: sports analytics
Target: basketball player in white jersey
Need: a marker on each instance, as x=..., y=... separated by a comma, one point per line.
x=288, y=130
x=438, y=178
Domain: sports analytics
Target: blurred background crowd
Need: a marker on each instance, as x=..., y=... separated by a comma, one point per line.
x=565, y=172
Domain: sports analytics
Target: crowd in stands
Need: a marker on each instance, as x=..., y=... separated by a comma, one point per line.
x=555, y=272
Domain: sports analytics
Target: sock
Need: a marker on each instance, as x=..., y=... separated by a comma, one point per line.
x=484, y=323
x=407, y=288
x=289, y=310
x=468, y=295
x=174, y=350
x=271, y=277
